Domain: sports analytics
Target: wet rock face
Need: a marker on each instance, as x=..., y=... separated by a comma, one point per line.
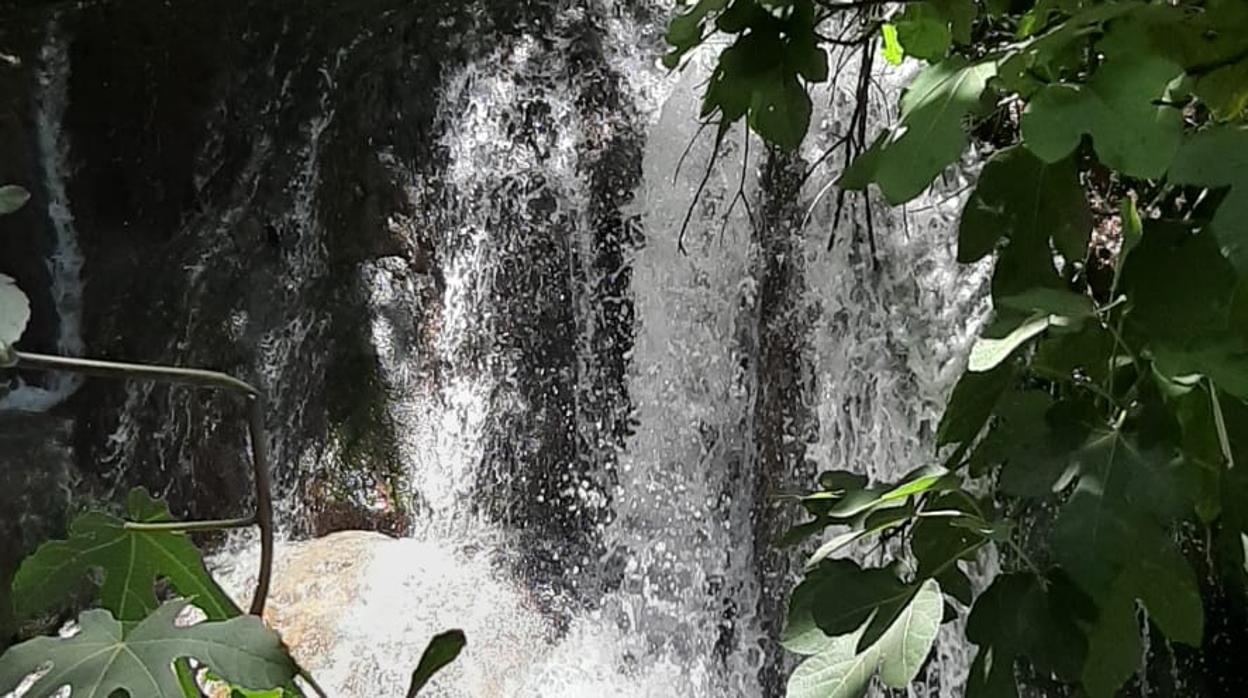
x=227, y=183
x=233, y=169
x=37, y=476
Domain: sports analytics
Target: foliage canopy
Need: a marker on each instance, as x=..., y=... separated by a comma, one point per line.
x=1109, y=384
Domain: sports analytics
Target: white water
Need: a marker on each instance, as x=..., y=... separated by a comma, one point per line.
x=885, y=346
x=65, y=262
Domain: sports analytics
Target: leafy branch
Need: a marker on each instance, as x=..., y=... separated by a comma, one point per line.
x=1108, y=390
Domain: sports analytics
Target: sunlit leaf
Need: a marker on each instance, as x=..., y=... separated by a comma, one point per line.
x=893, y=52
x=905, y=645
x=130, y=561
x=1130, y=131
x=988, y=352
x=837, y=671
x=932, y=132
x=105, y=657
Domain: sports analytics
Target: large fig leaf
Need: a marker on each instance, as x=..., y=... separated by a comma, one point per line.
x=105, y=657
x=131, y=562
x=1021, y=196
x=1118, y=108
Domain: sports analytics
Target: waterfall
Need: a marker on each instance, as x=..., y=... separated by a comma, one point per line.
x=590, y=429
x=65, y=262
x=665, y=592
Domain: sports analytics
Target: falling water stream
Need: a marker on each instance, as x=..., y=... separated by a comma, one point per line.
x=595, y=431
x=877, y=349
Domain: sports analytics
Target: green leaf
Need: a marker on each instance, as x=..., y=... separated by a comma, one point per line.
x=923, y=32
x=861, y=172
x=1114, y=651
x=971, y=404
x=1020, y=196
x=938, y=544
x=1165, y=583
x=758, y=75
x=1179, y=284
x=988, y=352
x=442, y=650
x=842, y=667
x=932, y=132
x=837, y=671
x=991, y=676
x=961, y=15
x=928, y=479
x=1033, y=436
x=1130, y=132
x=12, y=197
x=1217, y=158
x=105, y=657
x=131, y=562
x=1182, y=292
x=905, y=645
x=893, y=52
x=845, y=600
x=803, y=54
x=684, y=33
x=801, y=634
x=1132, y=234
x=842, y=481
x=1086, y=352
x=780, y=110
x=1020, y=616
x=1109, y=535
x=14, y=312
x=1225, y=90
x=1054, y=301
x=877, y=522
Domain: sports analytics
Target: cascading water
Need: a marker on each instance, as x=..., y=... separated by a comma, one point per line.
x=65, y=262
x=591, y=428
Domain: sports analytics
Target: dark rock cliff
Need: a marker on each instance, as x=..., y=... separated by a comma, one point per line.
x=232, y=169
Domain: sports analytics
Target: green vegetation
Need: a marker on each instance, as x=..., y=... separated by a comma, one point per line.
x=1109, y=385
x=104, y=656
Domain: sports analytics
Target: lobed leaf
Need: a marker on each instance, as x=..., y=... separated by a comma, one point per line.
x=130, y=561
x=105, y=657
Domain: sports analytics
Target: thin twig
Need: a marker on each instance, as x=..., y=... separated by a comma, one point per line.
x=307, y=676
x=740, y=195
x=264, y=502
x=204, y=379
x=688, y=147
x=113, y=369
x=706, y=176
x=189, y=526
x=859, y=4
